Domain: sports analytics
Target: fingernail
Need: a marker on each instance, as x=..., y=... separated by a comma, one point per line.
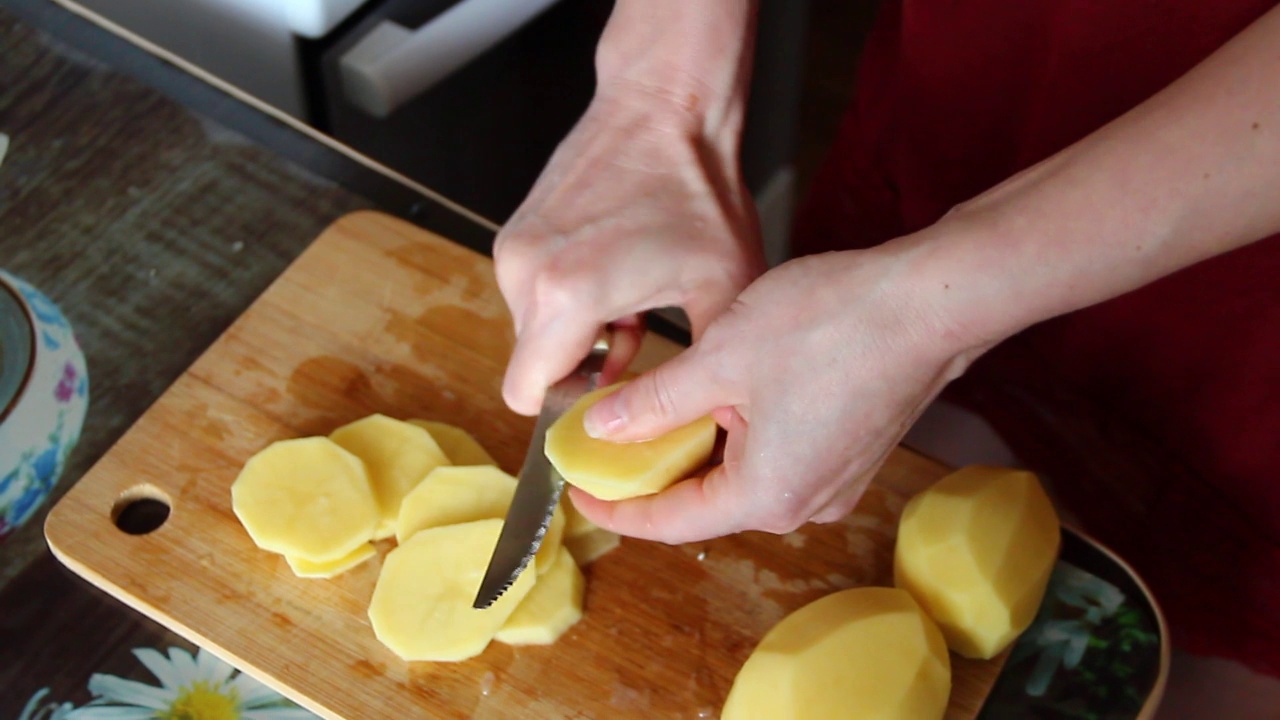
x=604, y=418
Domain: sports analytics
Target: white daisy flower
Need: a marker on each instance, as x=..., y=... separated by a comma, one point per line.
x=191, y=688
x=48, y=711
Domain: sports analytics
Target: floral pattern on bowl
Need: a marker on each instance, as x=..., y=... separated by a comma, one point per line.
x=43, y=422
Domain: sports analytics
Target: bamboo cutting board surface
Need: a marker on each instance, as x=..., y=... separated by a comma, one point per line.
x=380, y=316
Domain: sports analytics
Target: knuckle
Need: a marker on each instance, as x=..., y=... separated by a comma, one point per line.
x=561, y=284
x=514, y=248
x=833, y=513
x=784, y=516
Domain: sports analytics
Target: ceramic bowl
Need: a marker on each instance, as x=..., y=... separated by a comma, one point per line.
x=44, y=392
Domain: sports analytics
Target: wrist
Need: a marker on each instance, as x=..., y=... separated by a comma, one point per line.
x=684, y=64
x=960, y=301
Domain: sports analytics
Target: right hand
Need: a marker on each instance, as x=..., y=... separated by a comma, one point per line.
x=636, y=210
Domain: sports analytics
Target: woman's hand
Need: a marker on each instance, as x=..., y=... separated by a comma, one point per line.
x=634, y=212
x=822, y=364
x=643, y=204
x=816, y=372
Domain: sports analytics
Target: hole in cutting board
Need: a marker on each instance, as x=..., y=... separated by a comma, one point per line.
x=141, y=509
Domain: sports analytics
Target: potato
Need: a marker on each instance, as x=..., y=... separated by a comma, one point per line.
x=463, y=493
x=618, y=471
x=976, y=551
x=575, y=523
x=421, y=607
x=307, y=498
x=867, y=653
x=591, y=546
x=552, y=607
x=333, y=568
x=586, y=541
x=457, y=444
x=398, y=456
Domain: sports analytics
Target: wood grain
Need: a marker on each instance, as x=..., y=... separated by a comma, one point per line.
x=380, y=316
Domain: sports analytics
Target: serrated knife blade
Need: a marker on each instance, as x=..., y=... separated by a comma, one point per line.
x=539, y=485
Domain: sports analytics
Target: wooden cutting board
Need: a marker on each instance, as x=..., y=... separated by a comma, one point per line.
x=380, y=316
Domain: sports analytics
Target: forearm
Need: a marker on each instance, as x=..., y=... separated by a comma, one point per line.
x=1189, y=174
x=684, y=62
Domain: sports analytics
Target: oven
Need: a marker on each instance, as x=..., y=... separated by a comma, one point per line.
x=466, y=97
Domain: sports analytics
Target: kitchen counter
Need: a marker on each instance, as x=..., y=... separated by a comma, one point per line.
x=153, y=207
x=153, y=225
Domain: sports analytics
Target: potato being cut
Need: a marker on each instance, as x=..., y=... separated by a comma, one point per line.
x=333, y=568
x=591, y=546
x=457, y=444
x=306, y=498
x=421, y=607
x=553, y=606
x=398, y=456
x=976, y=551
x=618, y=471
x=463, y=493
x=867, y=652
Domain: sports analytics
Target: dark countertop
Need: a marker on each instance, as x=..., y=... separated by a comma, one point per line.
x=148, y=206
x=151, y=224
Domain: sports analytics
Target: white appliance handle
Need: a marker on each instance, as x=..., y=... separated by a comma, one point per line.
x=392, y=64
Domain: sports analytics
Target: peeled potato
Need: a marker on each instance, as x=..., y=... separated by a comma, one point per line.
x=867, y=652
x=422, y=605
x=553, y=606
x=575, y=523
x=333, y=568
x=457, y=444
x=976, y=550
x=463, y=493
x=585, y=540
x=618, y=471
x=398, y=456
x=591, y=546
x=307, y=498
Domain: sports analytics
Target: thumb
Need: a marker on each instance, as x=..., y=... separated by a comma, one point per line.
x=674, y=394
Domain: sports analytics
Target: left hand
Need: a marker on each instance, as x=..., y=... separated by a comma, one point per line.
x=816, y=372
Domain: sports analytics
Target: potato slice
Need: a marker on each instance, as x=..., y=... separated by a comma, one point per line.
x=457, y=444
x=618, y=471
x=398, y=456
x=976, y=550
x=463, y=493
x=552, y=607
x=575, y=523
x=305, y=498
x=591, y=546
x=333, y=568
x=867, y=652
x=585, y=540
x=421, y=607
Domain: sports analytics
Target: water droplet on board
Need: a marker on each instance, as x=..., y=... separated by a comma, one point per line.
x=486, y=684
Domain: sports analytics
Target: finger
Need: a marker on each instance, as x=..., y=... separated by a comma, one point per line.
x=627, y=334
x=674, y=394
x=545, y=353
x=694, y=509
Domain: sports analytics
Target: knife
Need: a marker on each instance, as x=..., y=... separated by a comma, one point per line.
x=539, y=486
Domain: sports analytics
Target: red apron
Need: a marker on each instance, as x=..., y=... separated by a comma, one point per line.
x=1156, y=415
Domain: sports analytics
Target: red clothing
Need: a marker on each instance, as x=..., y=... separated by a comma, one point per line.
x=1157, y=414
